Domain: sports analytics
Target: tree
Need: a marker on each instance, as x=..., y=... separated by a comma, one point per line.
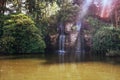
x=2, y=6
x=2, y=10
x=20, y=35
x=68, y=13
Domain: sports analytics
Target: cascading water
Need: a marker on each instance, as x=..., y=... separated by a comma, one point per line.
x=78, y=45
x=61, y=43
x=61, y=40
x=82, y=13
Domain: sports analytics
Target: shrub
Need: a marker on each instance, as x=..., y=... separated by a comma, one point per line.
x=106, y=39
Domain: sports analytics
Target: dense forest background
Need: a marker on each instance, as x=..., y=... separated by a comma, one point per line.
x=31, y=26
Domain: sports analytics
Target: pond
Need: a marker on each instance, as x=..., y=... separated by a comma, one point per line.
x=41, y=69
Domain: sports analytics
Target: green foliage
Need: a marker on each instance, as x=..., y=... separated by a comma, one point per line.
x=52, y=24
x=20, y=35
x=7, y=44
x=106, y=39
x=68, y=13
x=42, y=15
x=96, y=24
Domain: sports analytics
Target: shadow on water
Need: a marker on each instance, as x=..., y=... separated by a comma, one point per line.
x=64, y=58
x=80, y=58
x=22, y=56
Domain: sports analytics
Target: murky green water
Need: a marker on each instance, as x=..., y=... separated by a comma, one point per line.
x=38, y=69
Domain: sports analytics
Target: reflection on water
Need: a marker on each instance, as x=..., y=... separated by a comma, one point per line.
x=38, y=69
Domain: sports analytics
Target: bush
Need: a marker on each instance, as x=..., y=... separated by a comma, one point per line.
x=20, y=35
x=106, y=39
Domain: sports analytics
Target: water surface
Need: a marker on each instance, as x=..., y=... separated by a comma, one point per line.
x=38, y=69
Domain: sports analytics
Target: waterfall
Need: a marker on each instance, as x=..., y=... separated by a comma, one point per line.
x=61, y=43
x=61, y=39
x=78, y=44
x=79, y=49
